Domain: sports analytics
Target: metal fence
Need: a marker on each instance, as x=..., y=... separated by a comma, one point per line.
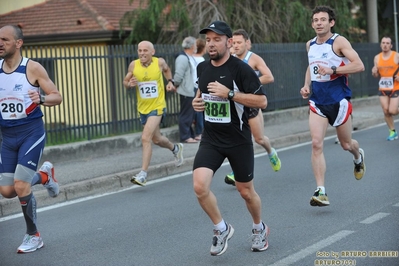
x=96, y=104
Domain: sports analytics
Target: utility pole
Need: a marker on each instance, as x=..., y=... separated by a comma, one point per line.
x=372, y=21
x=395, y=16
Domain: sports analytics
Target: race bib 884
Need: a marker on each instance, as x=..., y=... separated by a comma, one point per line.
x=217, y=109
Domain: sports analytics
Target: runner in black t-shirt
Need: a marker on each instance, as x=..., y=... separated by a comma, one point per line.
x=227, y=89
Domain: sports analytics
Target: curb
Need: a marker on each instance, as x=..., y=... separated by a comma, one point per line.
x=90, y=148
x=119, y=181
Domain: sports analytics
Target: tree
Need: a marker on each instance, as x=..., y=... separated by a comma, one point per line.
x=276, y=21
x=386, y=18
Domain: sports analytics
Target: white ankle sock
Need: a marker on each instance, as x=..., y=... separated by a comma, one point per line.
x=220, y=226
x=272, y=153
x=357, y=161
x=258, y=227
x=143, y=172
x=322, y=190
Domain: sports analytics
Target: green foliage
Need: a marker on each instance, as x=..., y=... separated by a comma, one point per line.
x=386, y=24
x=144, y=26
x=158, y=21
x=299, y=31
x=276, y=21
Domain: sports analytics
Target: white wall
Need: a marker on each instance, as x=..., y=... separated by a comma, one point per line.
x=8, y=6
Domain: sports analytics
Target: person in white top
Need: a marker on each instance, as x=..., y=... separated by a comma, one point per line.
x=199, y=116
x=22, y=81
x=184, y=81
x=241, y=44
x=331, y=58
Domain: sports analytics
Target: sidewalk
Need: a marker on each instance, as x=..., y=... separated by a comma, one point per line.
x=99, y=166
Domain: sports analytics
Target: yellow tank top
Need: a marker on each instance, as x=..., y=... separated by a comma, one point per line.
x=387, y=68
x=150, y=90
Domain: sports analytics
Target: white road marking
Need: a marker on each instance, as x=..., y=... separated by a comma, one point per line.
x=67, y=203
x=289, y=260
x=311, y=250
x=375, y=218
x=58, y=205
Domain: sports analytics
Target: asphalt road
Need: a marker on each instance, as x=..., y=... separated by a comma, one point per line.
x=162, y=224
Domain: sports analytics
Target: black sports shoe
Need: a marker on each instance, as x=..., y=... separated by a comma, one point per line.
x=318, y=199
x=229, y=179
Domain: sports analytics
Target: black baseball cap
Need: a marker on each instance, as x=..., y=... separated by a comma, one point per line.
x=220, y=27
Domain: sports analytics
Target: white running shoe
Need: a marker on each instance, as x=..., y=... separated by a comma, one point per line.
x=51, y=185
x=139, y=179
x=179, y=155
x=220, y=239
x=259, y=239
x=30, y=243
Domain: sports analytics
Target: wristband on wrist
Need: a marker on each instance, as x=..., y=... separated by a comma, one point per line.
x=334, y=69
x=42, y=99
